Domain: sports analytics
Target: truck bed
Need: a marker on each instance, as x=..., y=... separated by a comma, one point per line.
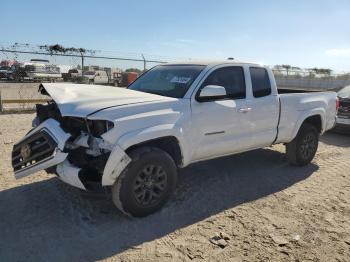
x=296, y=105
x=289, y=90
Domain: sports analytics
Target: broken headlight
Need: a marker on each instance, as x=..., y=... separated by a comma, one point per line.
x=75, y=125
x=99, y=127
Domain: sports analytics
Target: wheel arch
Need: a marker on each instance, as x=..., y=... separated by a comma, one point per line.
x=162, y=137
x=169, y=144
x=315, y=118
x=316, y=121
x=166, y=137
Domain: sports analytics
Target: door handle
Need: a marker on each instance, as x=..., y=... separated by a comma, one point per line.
x=245, y=110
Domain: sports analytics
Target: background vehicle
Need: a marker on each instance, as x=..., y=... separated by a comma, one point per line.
x=72, y=75
x=4, y=72
x=41, y=70
x=132, y=140
x=101, y=77
x=37, y=70
x=18, y=73
x=343, y=115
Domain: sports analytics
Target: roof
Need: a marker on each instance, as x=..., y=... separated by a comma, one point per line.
x=211, y=62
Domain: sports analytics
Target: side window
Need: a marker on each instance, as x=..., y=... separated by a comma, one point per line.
x=260, y=82
x=232, y=78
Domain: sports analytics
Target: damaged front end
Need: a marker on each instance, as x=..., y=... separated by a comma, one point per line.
x=70, y=147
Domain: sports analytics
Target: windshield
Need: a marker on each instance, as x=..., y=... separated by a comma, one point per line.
x=89, y=73
x=345, y=92
x=167, y=80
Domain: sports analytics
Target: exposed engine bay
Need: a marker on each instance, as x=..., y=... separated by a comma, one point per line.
x=85, y=148
x=74, y=134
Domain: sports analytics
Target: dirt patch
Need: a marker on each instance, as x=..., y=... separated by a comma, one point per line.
x=247, y=207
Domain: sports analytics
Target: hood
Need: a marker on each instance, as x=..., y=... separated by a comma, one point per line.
x=82, y=100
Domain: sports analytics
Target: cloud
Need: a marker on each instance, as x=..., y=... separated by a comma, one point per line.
x=338, y=52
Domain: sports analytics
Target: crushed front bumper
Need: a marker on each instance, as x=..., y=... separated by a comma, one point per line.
x=43, y=148
x=40, y=149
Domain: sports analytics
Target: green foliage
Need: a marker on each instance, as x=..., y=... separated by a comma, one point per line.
x=136, y=70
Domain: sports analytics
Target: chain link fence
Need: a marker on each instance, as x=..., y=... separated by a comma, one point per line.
x=23, y=68
x=310, y=80
x=18, y=93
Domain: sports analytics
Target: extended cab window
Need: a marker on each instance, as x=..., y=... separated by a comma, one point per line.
x=232, y=78
x=260, y=82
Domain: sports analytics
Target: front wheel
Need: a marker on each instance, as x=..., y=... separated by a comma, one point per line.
x=147, y=182
x=302, y=149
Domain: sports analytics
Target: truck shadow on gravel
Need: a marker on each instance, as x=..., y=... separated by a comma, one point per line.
x=341, y=139
x=50, y=221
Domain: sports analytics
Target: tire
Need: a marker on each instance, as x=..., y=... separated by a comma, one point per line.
x=302, y=149
x=147, y=182
x=91, y=82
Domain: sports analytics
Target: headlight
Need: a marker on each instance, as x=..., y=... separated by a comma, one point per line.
x=99, y=127
x=75, y=125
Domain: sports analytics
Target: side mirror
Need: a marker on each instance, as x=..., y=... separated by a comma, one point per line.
x=211, y=93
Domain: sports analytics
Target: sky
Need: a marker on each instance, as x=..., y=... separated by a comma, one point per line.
x=300, y=33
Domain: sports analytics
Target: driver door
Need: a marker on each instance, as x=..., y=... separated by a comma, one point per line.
x=222, y=126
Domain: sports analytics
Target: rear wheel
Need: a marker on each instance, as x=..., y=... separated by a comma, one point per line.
x=147, y=182
x=302, y=149
x=91, y=82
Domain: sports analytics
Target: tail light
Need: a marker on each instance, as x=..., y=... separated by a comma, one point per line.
x=337, y=104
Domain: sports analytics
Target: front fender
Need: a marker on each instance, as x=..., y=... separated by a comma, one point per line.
x=116, y=163
x=145, y=134
x=118, y=159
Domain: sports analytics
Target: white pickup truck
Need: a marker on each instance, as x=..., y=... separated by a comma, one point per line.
x=133, y=140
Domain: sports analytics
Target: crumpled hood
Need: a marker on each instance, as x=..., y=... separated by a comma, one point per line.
x=82, y=100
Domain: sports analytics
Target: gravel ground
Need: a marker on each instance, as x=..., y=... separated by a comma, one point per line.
x=247, y=207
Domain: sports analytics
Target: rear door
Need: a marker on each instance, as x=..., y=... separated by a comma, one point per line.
x=221, y=126
x=264, y=107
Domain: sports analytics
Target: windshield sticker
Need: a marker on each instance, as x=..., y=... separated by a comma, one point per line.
x=180, y=79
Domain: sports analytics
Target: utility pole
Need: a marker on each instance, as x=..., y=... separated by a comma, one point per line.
x=144, y=62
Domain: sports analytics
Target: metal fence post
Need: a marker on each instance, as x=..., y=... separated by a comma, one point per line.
x=0, y=102
x=82, y=63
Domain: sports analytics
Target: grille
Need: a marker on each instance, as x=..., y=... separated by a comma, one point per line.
x=31, y=151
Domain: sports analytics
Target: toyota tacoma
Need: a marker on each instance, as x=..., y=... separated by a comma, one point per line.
x=133, y=140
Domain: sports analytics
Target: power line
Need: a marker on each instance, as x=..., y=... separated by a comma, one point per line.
x=82, y=55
